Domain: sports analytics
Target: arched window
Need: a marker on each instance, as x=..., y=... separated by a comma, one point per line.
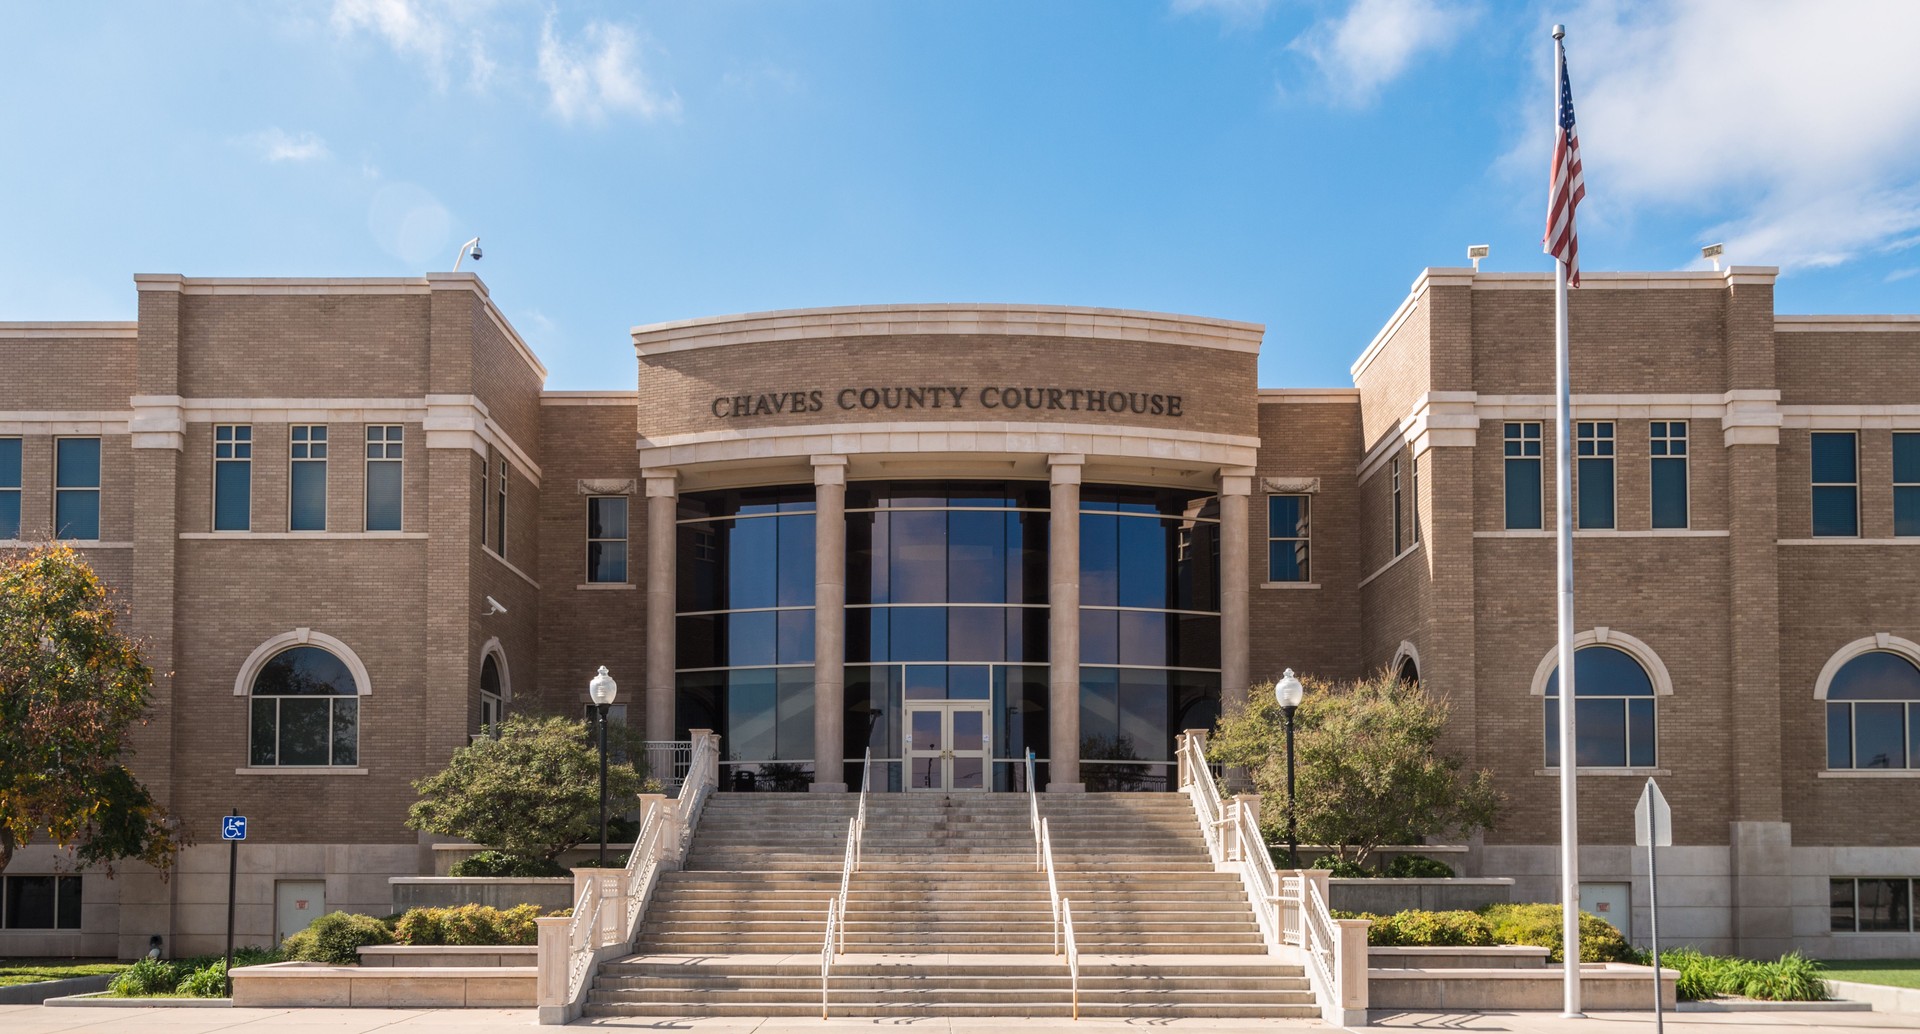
x=1873, y=712
x=492, y=704
x=1613, y=710
x=305, y=710
x=1409, y=671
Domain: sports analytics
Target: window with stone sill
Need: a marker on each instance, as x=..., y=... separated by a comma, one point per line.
x=1871, y=904
x=1614, y=711
x=1873, y=713
x=305, y=712
x=9, y=488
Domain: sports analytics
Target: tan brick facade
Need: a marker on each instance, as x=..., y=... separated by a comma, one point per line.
x=1743, y=608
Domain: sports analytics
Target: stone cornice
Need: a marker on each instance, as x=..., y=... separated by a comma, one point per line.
x=1020, y=320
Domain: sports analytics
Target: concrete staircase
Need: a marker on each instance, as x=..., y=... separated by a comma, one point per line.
x=948, y=915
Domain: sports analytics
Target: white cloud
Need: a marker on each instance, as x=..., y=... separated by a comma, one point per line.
x=1376, y=40
x=601, y=74
x=425, y=31
x=1804, y=119
x=278, y=145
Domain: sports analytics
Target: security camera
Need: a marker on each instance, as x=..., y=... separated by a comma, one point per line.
x=476, y=251
x=461, y=255
x=495, y=607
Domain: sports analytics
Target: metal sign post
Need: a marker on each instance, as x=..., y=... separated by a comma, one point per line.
x=1653, y=827
x=233, y=829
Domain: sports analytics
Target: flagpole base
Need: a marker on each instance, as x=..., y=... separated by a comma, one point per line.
x=1573, y=1016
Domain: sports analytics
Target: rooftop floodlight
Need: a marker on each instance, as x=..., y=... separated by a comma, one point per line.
x=1476, y=252
x=1713, y=251
x=474, y=244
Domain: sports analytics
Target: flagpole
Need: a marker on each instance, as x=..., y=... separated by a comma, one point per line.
x=1563, y=520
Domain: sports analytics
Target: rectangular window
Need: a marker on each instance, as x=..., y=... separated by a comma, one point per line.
x=76, y=488
x=9, y=488
x=1413, y=494
x=40, y=902
x=1667, y=440
x=1872, y=904
x=1836, y=483
x=480, y=505
x=500, y=515
x=307, y=478
x=1287, y=539
x=232, y=477
x=383, y=477
x=1522, y=451
x=1396, y=507
x=1906, y=483
x=607, y=538
x=1595, y=476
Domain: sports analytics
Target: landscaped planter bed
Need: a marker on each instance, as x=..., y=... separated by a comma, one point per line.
x=436, y=955
x=1384, y=896
x=1604, y=986
x=312, y=985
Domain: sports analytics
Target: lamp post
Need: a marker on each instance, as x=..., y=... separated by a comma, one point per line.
x=1287, y=692
x=603, y=689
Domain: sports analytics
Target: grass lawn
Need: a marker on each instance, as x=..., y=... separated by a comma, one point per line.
x=1890, y=972
x=32, y=971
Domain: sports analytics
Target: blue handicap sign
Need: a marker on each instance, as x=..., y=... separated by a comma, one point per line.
x=233, y=827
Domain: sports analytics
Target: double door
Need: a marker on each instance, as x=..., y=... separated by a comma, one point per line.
x=948, y=747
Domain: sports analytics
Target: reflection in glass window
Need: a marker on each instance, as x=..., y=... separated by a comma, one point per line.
x=76, y=488
x=1906, y=483
x=1594, y=475
x=492, y=701
x=9, y=488
x=1873, y=713
x=48, y=902
x=1836, y=483
x=1874, y=904
x=1287, y=539
x=1129, y=718
x=383, y=476
x=307, y=477
x=1667, y=440
x=305, y=710
x=232, y=477
x=1521, y=447
x=607, y=538
x=1614, y=716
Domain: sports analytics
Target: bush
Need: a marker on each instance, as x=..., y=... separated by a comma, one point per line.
x=1415, y=929
x=144, y=979
x=1541, y=926
x=209, y=981
x=1419, y=867
x=503, y=863
x=335, y=938
x=1341, y=867
x=1791, y=978
x=469, y=924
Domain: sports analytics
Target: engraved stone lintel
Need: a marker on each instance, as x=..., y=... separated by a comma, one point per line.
x=607, y=486
x=1290, y=485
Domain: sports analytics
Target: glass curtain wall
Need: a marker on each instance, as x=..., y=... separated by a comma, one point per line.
x=1149, y=630
x=744, y=631
x=946, y=600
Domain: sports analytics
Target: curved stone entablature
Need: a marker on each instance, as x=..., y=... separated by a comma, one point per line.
x=946, y=364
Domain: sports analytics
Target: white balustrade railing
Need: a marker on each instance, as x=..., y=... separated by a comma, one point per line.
x=611, y=904
x=835, y=941
x=668, y=761
x=1290, y=907
x=1059, y=908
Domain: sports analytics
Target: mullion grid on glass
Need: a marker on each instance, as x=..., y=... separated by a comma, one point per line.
x=1909, y=712
x=1413, y=495
x=607, y=539
x=307, y=477
x=1288, y=538
x=1669, y=488
x=76, y=488
x=10, y=489
x=232, y=477
x=1906, y=483
x=384, y=501
x=1521, y=449
x=1848, y=904
x=480, y=504
x=269, y=754
x=1834, y=468
x=1396, y=506
x=1595, y=451
x=500, y=514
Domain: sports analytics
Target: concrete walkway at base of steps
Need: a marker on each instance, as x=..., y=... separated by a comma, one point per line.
x=35, y=1019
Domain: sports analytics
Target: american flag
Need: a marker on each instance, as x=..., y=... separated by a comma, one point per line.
x=1568, y=184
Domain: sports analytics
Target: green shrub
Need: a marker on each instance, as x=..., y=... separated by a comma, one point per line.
x=209, y=981
x=1418, y=866
x=1342, y=868
x=1419, y=929
x=335, y=938
x=1540, y=925
x=504, y=863
x=1791, y=978
x=469, y=924
x=144, y=979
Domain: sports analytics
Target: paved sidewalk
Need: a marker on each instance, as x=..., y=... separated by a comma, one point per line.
x=34, y=1019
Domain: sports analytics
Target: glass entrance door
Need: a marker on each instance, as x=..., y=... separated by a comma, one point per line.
x=948, y=745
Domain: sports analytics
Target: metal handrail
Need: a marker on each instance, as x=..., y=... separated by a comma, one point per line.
x=1073, y=956
x=1033, y=810
x=835, y=941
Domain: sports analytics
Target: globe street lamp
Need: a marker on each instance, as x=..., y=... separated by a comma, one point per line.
x=603, y=689
x=1287, y=692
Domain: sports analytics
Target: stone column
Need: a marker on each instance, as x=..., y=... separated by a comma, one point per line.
x=1235, y=486
x=663, y=509
x=829, y=622
x=1063, y=625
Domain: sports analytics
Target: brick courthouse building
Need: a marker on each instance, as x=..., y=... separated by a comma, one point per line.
x=351, y=529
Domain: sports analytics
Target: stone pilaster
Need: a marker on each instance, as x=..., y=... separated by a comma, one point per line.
x=663, y=510
x=1063, y=625
x=829, y=622
x=1236, y=484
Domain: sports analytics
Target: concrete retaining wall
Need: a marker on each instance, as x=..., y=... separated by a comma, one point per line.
x=34, y=994
x=550, y=893
x=452, y=955
x=1387, y=896
x=311, y=985
x=1499, y=956
x=1607, y=986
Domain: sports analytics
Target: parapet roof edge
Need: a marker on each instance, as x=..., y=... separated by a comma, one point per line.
x=1855, y=322
x=948, y=318
x=69, y=329
x=322, y=285
x=1278, y=396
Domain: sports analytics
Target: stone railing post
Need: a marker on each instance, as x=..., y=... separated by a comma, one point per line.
x=1350, y=964
x=1319, y=878
x=550, y=983
x=1249, y=803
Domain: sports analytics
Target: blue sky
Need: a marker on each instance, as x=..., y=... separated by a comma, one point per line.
x=1289, y=162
